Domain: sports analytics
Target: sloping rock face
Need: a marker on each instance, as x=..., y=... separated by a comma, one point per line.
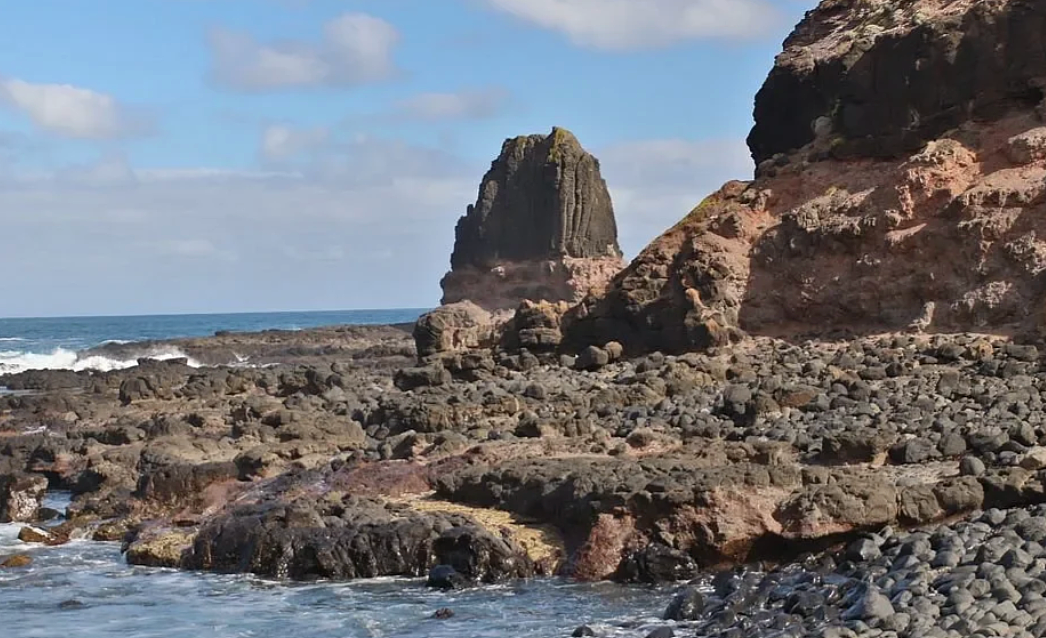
x=901, y=179
x=542, y=228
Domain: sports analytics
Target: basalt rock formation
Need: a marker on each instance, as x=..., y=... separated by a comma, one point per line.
x=900, y=185
x=542, y=228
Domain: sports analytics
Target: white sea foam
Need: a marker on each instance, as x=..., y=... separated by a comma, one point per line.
x=62, y=359
x=11, y=339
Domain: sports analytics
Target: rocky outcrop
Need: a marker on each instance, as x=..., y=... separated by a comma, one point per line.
x=457, y=326
x=900, y=187
x=883, y=77
x=542, y=228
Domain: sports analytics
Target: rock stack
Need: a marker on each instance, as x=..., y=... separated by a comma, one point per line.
x=542, y=228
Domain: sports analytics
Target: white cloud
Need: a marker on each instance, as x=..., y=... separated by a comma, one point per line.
x=355, y=49
x=70, y=111
x=211, y=239
x=363, y=222
x=642, y=24
x=654, y=183
x=282, y=142
x=466, y=104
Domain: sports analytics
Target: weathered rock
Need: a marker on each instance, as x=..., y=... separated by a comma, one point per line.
x=536, y=327
x=414, y=378
x=886, y=168
x=452, y=328
x=686, y=605
x=20, y=497
x=33, y=535
x=839, y=65
x=542, y=228
x=159, y=547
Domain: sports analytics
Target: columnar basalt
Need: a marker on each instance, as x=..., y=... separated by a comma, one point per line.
x=542, y=228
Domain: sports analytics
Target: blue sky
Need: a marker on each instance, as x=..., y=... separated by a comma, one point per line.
x=225, y=155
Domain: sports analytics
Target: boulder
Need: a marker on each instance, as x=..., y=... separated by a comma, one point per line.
x=452, y=328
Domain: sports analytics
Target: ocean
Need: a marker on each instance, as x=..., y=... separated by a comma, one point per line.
x=86, y=590
x=60, y=342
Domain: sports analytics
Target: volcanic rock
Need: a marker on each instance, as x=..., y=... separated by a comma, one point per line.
x=542, y=227
x=458, y=326
x=900, y=187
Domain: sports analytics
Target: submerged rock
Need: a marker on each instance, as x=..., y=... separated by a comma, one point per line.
x=16, y=561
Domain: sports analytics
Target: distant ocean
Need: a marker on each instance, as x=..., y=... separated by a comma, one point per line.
x=60, y=342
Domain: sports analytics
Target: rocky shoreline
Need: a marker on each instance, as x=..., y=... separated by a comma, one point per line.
x=816, y=402
x=823, y=472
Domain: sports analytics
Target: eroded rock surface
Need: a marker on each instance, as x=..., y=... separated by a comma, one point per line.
x=542, y=228
x=900, y=186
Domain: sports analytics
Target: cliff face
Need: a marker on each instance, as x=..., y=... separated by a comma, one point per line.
x=542, y=227
x=883, y=77
x=901, y=186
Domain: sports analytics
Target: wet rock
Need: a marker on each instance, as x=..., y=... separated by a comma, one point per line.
x=446, y=577
x=159, y=547
x=870, y=606
x=33, y=535
x=688, y=604
x=657, y=563
x=16, y=561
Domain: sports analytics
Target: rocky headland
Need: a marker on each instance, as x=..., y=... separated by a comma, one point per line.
x=901, y=163
x=817, y=400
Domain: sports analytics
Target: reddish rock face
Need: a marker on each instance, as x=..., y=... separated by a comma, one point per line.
x=542, y=228
x=859, y=220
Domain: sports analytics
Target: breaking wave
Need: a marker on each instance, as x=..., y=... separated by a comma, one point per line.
x=61, y=359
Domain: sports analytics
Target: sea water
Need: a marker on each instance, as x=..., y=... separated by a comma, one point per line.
x=59, y=342
x=85, y=589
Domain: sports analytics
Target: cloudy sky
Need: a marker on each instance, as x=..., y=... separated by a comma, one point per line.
x=165, y=156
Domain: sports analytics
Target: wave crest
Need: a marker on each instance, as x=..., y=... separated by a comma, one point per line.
x=62, y=359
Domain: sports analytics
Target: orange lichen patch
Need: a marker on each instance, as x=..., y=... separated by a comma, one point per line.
x=543, y=543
